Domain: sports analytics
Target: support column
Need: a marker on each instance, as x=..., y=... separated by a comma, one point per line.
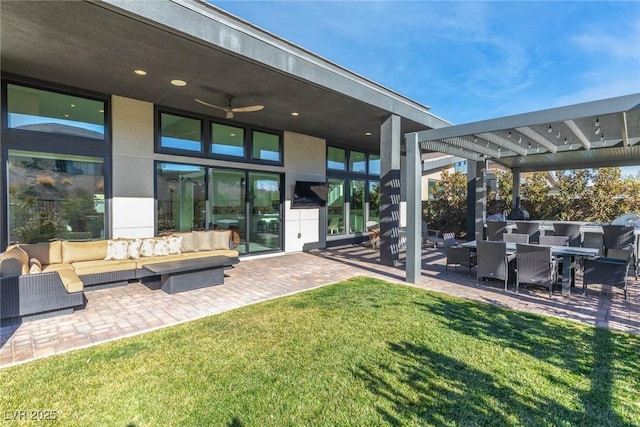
x=515, y=203
x=389, y=190
x=476, y=199
x=414, y=210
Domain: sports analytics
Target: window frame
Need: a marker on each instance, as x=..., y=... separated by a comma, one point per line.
x=207, y=123
x=26, y=140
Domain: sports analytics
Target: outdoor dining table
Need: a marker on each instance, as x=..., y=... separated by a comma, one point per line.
x=566, y=252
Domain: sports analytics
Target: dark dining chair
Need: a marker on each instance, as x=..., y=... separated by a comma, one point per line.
x=530, y=228
x=572, y=231
x=535, y=265
x=554, y=240
x=458, y=255
x=495, y=230
x=593, y=240
x=516, y=238
x=617, y=240
x=494, y=262
x=608, y=271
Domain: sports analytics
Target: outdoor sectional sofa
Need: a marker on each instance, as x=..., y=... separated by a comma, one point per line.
x=50, y=278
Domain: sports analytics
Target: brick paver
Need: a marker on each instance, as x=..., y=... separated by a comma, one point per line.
x=136, y=308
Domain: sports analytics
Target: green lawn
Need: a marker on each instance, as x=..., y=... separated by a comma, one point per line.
x=360, y=352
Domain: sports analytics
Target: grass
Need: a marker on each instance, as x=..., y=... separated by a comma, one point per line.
x=360, y=352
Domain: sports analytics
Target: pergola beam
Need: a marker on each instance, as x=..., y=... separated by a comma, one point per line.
x=624, y=129
x=578, y=134
x=537, y=138
x=498, y=140
x=472, y=146
x=445, y=148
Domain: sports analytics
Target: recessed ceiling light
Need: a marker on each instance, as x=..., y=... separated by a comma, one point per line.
x=295, y=114
x=368, y=133
x=178, y=82
x=140, y=72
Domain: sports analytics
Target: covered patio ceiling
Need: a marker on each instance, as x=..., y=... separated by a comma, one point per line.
x=96, y=46
x=595, y=134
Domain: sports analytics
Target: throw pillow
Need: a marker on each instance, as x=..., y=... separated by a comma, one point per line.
x=117, y=249
x=189, y=242
x=135, y=249
x=204, y=240
x=220, y=239
x=175, y=245
x=147, y=247
x=161, y=248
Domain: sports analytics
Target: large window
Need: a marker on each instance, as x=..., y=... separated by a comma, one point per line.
x=356, y=206
x=55, y=196
x=45, y=111
x=181, y=133
x=359, y=173
x=336, y=159
x=227, y=140
x=266, y=146
x=336, y=206
x=181, y=197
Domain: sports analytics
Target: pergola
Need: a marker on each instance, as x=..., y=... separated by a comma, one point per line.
x=596, y=134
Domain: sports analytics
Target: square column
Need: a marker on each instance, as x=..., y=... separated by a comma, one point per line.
x=389, y=190
x=476, y=199
x=414, y=209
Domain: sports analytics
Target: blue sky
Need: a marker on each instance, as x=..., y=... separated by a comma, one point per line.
x=472, y=60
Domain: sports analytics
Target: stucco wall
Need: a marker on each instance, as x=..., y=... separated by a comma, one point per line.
x=133, y=175
x=305, y=160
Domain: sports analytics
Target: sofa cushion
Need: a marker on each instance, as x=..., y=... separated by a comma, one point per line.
x=71, y=281
x=83, y=268
x=219, y=252
x=189, y=242
x=220, y=239
x=56, y=267
x=117, y=249
x=14, y=262
x=82, y=251
x=204, y=240
x=156, y=259
x=45, y=252
x=35, y=266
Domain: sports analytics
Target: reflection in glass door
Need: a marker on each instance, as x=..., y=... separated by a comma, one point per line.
x=227, y=199
x=265, y=220
x=356, y=205
x=181, y=197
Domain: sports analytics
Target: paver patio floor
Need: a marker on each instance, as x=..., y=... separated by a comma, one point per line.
x=128, y=310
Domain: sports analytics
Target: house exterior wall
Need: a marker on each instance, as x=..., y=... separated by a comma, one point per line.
x=305, y=160
x=133, y=206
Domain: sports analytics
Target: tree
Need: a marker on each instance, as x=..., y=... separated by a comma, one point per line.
x=536, y=191
x=448, y=211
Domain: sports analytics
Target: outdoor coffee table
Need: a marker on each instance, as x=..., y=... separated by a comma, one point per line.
x=188, y=274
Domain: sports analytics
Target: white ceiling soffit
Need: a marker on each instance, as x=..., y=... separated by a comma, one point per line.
x=589, y=135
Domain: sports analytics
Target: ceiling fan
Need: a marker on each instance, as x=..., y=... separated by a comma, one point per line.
x=230, y=110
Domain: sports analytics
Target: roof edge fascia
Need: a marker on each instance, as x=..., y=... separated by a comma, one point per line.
x=552, y=115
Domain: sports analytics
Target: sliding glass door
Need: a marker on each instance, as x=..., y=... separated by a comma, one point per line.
x=227, y=199
x=264, y=211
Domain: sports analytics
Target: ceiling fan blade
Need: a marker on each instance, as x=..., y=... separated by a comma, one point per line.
x=209, y=105
x=249, y=109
